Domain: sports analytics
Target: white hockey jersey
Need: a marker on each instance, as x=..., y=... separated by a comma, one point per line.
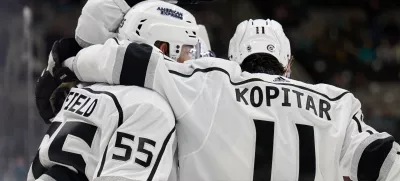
x=233, y=125
x=108, y=132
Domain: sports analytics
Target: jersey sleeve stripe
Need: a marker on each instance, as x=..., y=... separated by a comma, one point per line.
x=135, y=62
x=358, y=122
x=371, y=155
x=160, y=154
x=373, y=158
x=206, y=70
x=120, y=121
x=116, y=71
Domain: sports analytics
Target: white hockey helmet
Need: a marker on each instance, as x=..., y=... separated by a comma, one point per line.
x=154, y=20
x=260, y=36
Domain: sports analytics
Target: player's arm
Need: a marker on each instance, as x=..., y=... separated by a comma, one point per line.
x=100, y=19
x=368, y=154
x=143, y=65
x=142, y=147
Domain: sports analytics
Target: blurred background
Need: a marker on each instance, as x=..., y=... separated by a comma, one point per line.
x=352, y=44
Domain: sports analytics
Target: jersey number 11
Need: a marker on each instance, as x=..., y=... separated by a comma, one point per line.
x=264, y=151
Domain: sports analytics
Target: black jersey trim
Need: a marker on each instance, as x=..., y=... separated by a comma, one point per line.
x=255, y=80
x=114, y=98
x=120, y=121
x=61, y=173
x=135, y=62
x=37, y=167
x=358, y=122
x=116, y=40
x=131, y=3
x=154, y=169
x=53, y=127
x=373, y=157
x=103, y=161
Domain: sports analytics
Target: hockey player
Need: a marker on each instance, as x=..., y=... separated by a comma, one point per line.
x=249, y=122
x=108, y=132
x=99, y=21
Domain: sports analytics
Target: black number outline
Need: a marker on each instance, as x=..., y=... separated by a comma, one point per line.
x=141, y=149
x=81, y=130
x=38, y=168
x=127, y=148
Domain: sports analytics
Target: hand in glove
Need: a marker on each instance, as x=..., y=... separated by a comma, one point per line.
x=48, y=84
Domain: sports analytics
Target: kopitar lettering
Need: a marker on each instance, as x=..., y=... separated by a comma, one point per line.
x=258, y=96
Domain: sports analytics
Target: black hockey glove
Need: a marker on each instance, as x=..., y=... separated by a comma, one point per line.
x=49, y=92
x=60, y=94
x=61, y=51
x=45, y=86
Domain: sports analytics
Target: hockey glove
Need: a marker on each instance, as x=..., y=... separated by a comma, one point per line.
x=45, y=86
x=60, y=94
x=53, y=77
x=62, y=50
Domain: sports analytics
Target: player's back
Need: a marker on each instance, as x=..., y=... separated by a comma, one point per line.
x=233, y=125
x=285, y=129
x=104, y=131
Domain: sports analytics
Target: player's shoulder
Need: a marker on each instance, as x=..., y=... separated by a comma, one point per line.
x=129, y=96
x=213, y=64
x=328, y=91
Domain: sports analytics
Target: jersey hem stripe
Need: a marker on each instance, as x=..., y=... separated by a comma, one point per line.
x=120, y=121
x=255, y=80
x=154, y=169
